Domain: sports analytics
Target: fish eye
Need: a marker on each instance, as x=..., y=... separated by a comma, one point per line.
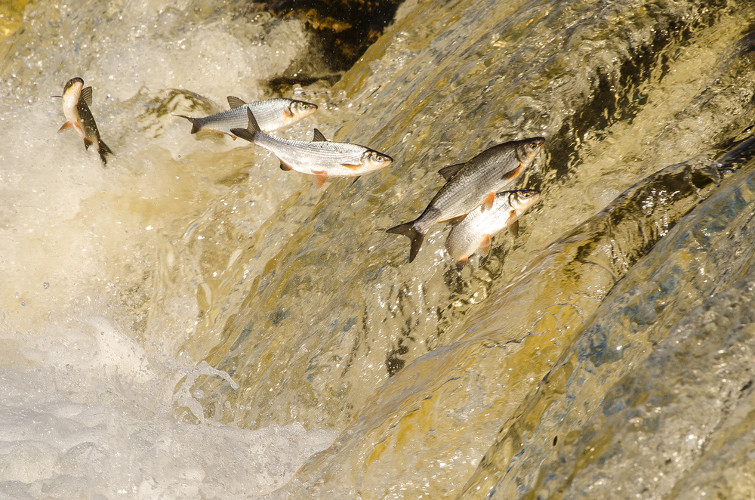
x=533, y=145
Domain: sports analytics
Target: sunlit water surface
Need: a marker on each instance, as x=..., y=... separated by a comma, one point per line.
x=191, y=321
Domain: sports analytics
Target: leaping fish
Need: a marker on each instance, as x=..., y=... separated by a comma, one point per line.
x=479, y=226
x=271, y=114
x=470, y=185
x=321, y=158
x=76, y=102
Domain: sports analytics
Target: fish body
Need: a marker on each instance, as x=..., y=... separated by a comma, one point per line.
x=470, y=185
x=271, y=114
x=321, y=158
x=76, y=102
x=479, y=226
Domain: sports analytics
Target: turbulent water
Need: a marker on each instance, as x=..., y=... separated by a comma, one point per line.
x=191, y=321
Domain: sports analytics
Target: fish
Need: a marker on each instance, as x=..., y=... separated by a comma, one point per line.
x=479, y=226
x=471, y=184
x=321, y=158
x=271, y=114
x=76, y=102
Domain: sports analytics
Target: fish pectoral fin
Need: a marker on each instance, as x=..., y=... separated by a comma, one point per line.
x=235, y=102
x=285, y=167
x=65, y=126
x=320, y=177
x=350, y=166
x=355, y=179
x=485, y=245
x=513, y=173
x=287, y=113
x=487, y=202
x=86, y=96
x=461, y=263
x=319, y=137
x=450, y=171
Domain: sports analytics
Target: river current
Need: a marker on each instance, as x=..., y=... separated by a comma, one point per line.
x=193, y=322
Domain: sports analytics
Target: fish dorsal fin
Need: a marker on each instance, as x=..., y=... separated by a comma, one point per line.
x=235, y=102
x=319, y=137
x=450, y=171
x=86, y=96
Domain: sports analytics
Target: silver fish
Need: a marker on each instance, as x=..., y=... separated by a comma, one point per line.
x=320, y=157
x=470, y=185
x=479, y=226
x=271, y=114
x=76, y=102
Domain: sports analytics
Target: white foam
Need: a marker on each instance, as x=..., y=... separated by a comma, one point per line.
x=87, y=392
x=80, y=417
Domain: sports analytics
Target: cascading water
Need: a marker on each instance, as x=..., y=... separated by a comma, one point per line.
x=192, y=321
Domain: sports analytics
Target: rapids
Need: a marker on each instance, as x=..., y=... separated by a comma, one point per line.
x=191, y=321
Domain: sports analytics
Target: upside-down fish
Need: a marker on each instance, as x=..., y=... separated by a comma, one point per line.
x=321, y=158
x=470, y=185
x=76, y=102
x=271, y=114
x=479, y=226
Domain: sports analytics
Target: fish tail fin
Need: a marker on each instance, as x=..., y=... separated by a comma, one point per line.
x=104, y=150
x=194, y=125
x=250, y=131
x=408, y=230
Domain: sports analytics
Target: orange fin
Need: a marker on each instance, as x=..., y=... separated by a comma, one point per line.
x=461, y=263
x=513, y=173
x=487, y=202
x=80, y=128
x=320, y=177
x=351, y=167
x=87, y=142
x=65, y=126
x=285, y=167
x=485, y=245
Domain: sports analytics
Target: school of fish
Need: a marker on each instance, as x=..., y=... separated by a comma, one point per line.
x=478, y=197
